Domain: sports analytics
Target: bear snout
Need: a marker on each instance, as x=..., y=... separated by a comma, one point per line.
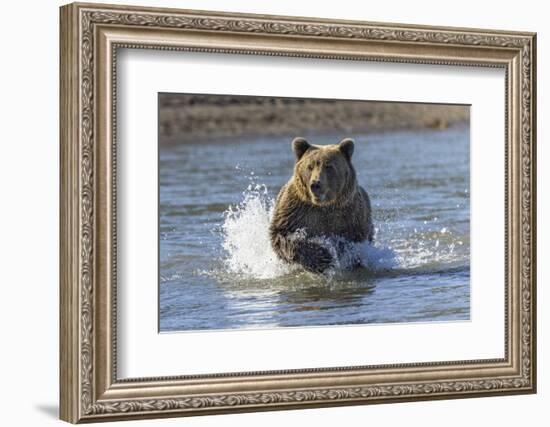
x=318, y=191
x=315, y=186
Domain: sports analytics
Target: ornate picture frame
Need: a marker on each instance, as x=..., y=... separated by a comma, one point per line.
x=90, y=37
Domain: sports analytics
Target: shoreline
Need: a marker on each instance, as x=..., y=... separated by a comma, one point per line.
x=309, y=135
x=194, y=118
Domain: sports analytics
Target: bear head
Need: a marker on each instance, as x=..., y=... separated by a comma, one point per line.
x=324, y=174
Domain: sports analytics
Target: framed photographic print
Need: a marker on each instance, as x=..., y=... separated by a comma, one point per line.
x=266, y=212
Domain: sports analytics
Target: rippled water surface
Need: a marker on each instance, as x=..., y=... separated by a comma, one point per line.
x=217, y=269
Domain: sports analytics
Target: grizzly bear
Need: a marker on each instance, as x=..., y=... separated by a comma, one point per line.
x=322, y=200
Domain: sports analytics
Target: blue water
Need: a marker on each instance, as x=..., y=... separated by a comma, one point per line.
x=217, y=270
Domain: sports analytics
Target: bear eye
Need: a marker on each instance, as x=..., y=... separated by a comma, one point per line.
x=310, y=167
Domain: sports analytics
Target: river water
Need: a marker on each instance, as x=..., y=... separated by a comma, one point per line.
x=217, y=269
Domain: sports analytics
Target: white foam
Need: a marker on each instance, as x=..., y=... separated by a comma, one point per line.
x=248, y=249
x=246, y=236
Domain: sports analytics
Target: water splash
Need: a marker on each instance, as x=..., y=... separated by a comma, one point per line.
x=248, y=250
x=246, y=236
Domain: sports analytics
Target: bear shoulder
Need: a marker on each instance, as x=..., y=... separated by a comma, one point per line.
x=288, y=210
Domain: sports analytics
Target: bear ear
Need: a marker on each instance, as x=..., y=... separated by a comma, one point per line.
x=300, y=146
x=346, y=147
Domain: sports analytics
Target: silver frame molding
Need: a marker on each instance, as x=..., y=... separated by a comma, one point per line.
x=90, y=37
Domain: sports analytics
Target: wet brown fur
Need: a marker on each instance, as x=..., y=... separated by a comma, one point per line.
x=337, y=207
